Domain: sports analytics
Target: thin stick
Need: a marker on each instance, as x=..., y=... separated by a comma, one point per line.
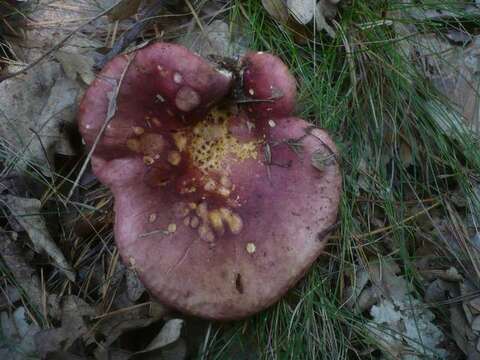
x=203, y=353
x=404, y=221
x=130, y=35
x=199, y=22
x=58, y=45
x=121, y=311
x=112, y=110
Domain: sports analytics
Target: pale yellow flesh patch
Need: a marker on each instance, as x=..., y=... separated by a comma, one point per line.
x=212, y=143
x=174, y=158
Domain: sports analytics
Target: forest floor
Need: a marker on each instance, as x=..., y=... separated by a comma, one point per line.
x=396, y=85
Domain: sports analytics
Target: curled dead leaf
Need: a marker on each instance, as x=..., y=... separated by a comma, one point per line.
x=276, y=9
x=125, y=9
x=302, y=10
x=27, y=213
x=325, y=10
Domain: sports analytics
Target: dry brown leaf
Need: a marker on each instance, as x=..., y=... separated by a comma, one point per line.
x=302, y=10
x=475, y=304
x=325, y=10
x=135, y=288
x=125, y=9
x=26, y=277
x=77, y=66
x=74, y=326
x=169, y=333
x=438, y=291
x=451, y=64
x=276, y=9
x=216, y=39
x=111, y=327
x=400, y=323
x=462, y=332
x=17, y=336
x=27, y=213
x=50, y=20
x=34, y=109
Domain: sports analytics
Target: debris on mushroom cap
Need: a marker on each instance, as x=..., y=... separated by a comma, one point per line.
x=221, y=205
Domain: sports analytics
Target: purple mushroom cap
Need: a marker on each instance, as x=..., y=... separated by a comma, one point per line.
x=221, y=205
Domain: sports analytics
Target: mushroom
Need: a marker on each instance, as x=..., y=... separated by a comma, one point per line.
x=222, y=204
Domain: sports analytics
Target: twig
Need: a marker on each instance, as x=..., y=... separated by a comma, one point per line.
x=199, y=22
x=154, y=232
x=204, y=352
x=404, y=221
x=58, y=45
x=350, y=59
x=121, y=311
x=130, y=35
x=247, y=100
x=112, y=109
x=45, y=153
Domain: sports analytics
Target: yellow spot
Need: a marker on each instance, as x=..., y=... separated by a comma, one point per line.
x=225, y=212
x=172, y=228
x=138, y=130
x=188, y=190
x=152, y=217
x=133, y=144
x=180, y=141
x=251, y=92
x=192, y=205
x=271, y=123
x=148, y=160
x=226, y=182
x=215, y=218
x=234, y=221
x=202, y=211
x=235, y=224
x=212, y=143
x=206, y=233
x=210, y=185
x=194, y=222
x=174, y=158
x=251, y=248
x=186, y=221
x=224, y=191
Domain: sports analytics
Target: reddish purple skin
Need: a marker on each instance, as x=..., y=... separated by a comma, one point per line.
x=138, y=96
x=267, y=78
x=285, y=210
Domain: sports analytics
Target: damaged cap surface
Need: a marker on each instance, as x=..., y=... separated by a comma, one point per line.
x=220, y=206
